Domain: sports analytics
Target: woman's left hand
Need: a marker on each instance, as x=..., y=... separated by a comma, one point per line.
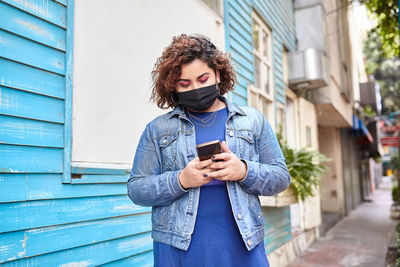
x=230, y=169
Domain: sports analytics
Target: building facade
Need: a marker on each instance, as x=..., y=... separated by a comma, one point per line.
x=74, y=91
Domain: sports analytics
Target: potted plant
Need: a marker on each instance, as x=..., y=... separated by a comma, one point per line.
x=305, y=168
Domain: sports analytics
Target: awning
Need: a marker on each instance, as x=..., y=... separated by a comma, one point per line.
x=361, y=131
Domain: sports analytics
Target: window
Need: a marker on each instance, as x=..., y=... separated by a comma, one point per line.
x=215, y=5
x=260, y=95
x=308, y=136
x=281, y=118
x=291, y=128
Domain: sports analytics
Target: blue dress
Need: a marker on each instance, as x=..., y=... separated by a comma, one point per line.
x=216, y=240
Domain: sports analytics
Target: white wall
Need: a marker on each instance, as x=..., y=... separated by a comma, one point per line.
x=116, y=44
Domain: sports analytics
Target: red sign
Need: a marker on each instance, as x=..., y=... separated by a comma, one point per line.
x=390, y=141
x=390, y=128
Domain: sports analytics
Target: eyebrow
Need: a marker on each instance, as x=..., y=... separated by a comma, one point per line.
x=184, y=80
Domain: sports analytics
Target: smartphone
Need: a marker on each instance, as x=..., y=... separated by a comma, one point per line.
x=206, y=150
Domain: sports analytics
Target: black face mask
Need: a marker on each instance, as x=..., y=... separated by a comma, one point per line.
x=199, y=99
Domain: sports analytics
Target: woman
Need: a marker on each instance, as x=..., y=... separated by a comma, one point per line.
x=204, y=213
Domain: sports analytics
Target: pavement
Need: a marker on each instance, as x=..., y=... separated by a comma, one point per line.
x=360, y=239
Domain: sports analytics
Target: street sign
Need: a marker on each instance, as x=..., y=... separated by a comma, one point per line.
x=390, y=129
x=390, y=141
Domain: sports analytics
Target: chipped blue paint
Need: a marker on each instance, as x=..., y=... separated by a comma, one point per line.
x=92, y=254
x=29, y=105
x=68, y=95
x=23, y=24
x=43, y=240
x=27, y=78
x=22, y=131
x=44, y=9
x=47, y=218
x=31, y=53
x=37, y=186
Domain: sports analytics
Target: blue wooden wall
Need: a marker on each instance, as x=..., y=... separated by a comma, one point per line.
x=279, y=17
x=47, y=218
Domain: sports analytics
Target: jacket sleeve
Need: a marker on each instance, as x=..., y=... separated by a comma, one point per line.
x=270, y=175
x=146, y=185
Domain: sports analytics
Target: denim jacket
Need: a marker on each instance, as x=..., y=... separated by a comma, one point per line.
x=167, y=145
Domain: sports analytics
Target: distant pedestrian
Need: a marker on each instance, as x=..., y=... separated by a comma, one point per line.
x=204, y=213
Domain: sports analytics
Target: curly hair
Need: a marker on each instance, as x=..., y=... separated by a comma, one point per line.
x=184, y=49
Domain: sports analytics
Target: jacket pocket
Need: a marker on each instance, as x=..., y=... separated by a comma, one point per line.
x=168, y=150
x=246, y=144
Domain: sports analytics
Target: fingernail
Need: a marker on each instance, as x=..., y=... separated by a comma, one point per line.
x=205, y=175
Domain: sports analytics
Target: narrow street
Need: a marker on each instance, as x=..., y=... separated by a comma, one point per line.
x=360, y=239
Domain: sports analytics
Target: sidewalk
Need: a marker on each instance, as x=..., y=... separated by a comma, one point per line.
x=360, y=239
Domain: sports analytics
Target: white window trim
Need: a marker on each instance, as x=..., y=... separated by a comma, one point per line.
x=265, y=60
x=251, y=89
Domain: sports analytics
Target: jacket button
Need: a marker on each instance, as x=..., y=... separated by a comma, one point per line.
x=239, y=216
x=231, y=133
x=249, y=242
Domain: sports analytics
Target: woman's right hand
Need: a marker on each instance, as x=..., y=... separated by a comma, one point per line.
x=193, y=174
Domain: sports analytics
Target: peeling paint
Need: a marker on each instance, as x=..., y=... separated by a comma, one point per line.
x=76, y=264
x=8, y=170
x=35, y=28
x=126, y=207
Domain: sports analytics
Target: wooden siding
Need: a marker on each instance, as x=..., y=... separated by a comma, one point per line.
x=279, y=17
x=277, y=227
x=47, y=218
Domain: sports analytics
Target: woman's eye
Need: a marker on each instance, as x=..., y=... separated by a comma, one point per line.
x=203, y=80
x=184, y=84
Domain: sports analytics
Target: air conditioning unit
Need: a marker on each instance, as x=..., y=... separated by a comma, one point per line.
x=308, y=69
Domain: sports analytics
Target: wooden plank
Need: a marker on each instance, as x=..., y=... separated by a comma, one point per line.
x=62, y=2
x=40, y=213
x=44, y=9
x=101, y=179
x=66, y=178
x=108, y=171
x=242, y=80
x=241, y=90
x=242, y=5
x=22, y=159
x=144, y=259
x=32, y=106
x=243, y=39
x=8, y=183
x=276, y=226
x=90, y=255
x=238, y=99
x=245, y=51
x=241, y=10
x=243, y=65
x=33, y=242
x=22, y=131
x=28, y=26
x=33, y=186
x=243, y=29
x=245, y=21
x=31, y=53
x=20, y=76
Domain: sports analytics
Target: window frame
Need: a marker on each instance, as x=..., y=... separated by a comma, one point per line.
x=253, y=92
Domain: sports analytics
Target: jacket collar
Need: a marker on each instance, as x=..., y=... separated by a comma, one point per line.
x=231, y=107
